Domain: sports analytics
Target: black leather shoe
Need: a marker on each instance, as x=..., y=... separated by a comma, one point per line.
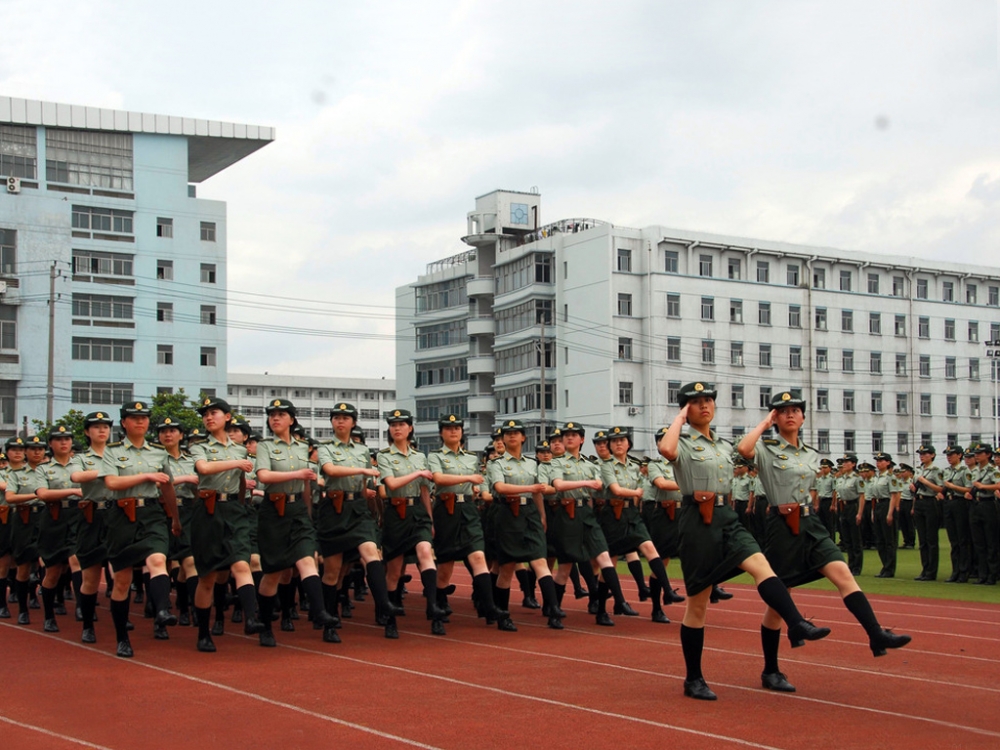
x=644, y=593
x=805, y=631
x=23, y=619
x=507, y=625
x=148, y=611
x=555, y=623
x=887, y=639
x=437, y=628
x=218, y=627
x=395, y=610
x=670, y=596
x=165, y=618
x=330, y=635
x=953, y=578
x=391, y=631
x=776, y=681
x=59, y=609
x=33, y=603
x=592, y=607
x=604, y=619
x=434, y=612
x=922, y=577
x=160, y=633
x=267, y=639
x=252, y=626
x=963, y=579
x=51, y=626
x=206, y=645
x=719, y=594
x=658, y=616
x=580, y=593
x=287, y=626
x=325, y=620
x=4, y=613
x=139, y=597
x=78, y=614
x=129, y=626
x=699, y=689
x=237, y=616
x=124, y=649
x=625, y=609
x=553, y=610
x=530, y=602
x=88, y=636
x=295, y=613
x=184, y=619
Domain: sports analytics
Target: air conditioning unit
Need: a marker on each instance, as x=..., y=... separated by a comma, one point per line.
x=633, y=411
x=13, y=184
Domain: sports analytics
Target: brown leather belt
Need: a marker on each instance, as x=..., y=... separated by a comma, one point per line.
x=449, y=499
x=514, y=503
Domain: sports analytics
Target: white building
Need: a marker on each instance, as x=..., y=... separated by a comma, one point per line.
x=889, y=351
x=313, y=398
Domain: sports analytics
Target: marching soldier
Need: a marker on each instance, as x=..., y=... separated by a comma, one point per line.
x=22, y=482
x=661, y=518
x=170, y=434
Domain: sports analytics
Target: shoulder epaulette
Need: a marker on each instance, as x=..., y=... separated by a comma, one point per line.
x=770, y=441
x=157, y=445
x=806, y=445
x=115, y=445
x=384, y=450
x=323, y=442
x=299, y=440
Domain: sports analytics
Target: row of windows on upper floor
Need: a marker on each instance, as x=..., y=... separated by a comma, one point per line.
x=323, y=394
x=102, y=393
x=122, y=222
x=85, y=349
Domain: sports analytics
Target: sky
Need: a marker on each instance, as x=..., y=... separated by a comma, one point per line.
x=868, y=126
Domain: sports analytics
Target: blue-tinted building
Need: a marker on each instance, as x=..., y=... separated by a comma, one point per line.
x=105, y=202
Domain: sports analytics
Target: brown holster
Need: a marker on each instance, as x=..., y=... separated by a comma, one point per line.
x=569, y=505
x=4, y=514
x=209, y=497
x=337, y=498
x=88, y=510
x=617, y=503
x=25, y=512
x=448, y=498
x=706, y=505
x=54, y=509
x=792, y=517
x=278, y=498
x=127, y=504
x=670, y=506
x=514, y=503
x=399, y=503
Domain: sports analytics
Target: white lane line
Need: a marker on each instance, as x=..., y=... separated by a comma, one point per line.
x=48, y=733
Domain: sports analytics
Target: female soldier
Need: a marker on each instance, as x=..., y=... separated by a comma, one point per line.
x=458, y=530
x=22, y=481
x=407, y=525
x=286, y=534
x=660, y=516
x=520, y=525
x=5, y=527
x=181, y=464
x=91, y=550
x=797, y=542
x=714, y=546
x=220, y=527
x=138, y=474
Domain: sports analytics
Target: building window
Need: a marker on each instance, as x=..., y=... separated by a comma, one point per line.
x=820, y=318
x=876, y=402
x=735, y=269
x=949, y=330
x=624, y=259
x=925, y=404
x=794, y=316
x=452, y=333
x=673, y=389
x=902, y=404
x=165, y=312
x=875, y=323
x=624, y=348
x=736, y=353
x=899, y=325
x=924, y=328
x=925, y=366
x=18, y=152
x=165, y=270
x=96, y=263
x=8, y=249
x=102, y=350
x=822, y=360
x=823, y=400
x=102, y=306
x=673, y=349
x=873, y=283
x=951, y=405
x=208, y=356
x=849, y=401
x=847, y=361
x=845, y=281
x=971, y=292
x=901, y=364
x=948, y=291
x=208, y=315
x=921, y=288
x=823, y=441
x=795, y=358
x=164, y=227
x=671, y=261
x=8, y=326
x=974, y=331
x=902, y=443
x=708, y=308
x=819, y=278
x=897, y=286
x=453, y=293
x=708, y=352
x=765, y=397
x=763, y=271
x=973, y=369
x=975, y=406
x=736, y=397
x=86, y=392
x=704, y=265
x=90, y=158
x=849, y=441
x=673, y=305
x=764, y=313
x=875, y=363
x=792, y=274
x=624, y=392
x=950, y=368
x=877, y=442
x=847, y=320
x=164, y=354
x=994, y=331
x=456, y=371
x=625, y=304
x=735, y=311
x=102, y=219
x=764, y=358
x=164, y=390
x=993, y=296
x=208, y=231
x=207, y=273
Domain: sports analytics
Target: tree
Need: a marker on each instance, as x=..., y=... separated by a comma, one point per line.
x=71, y=420
x=178, y=407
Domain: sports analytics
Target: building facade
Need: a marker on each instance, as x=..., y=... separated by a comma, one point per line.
x=313, y=397
x=99, y=214
x=609, y=321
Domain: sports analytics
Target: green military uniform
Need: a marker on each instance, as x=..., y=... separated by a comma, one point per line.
x=91, y=547
x=956, y=518
x=24, y=517
x=222, y=537
x=187, y=497
x=985, y=521
x=904, y=518
x=759, y=523
x=6, y=524
x=59, y=527
x=927, y=515
x=519, y=538
x=660, y=511
x=346, y=529
x=458, y=528
x=403, y=530
x=883, y=485
x=849, y=488
x=578, y=539
x=285, y=531
x=824, y=491
x=620, y=518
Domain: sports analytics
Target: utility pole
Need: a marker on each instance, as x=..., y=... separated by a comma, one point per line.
x=541, y=359
x=50, y=380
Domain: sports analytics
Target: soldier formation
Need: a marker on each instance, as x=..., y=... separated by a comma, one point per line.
x=232, y=521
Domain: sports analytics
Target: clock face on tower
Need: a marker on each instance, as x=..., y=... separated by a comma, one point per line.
x=519, y=213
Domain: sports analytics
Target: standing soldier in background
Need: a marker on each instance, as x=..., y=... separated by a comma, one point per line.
x=824, y=491
x=957, y=478
x=850, y=499
x=883, y=492
x=661, y=519
x=904, y=518
x=928, y=487
x=5, y=527
x=742, y=490
x=984, y=516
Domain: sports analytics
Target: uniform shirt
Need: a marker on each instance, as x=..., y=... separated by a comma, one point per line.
x=180, y=467
x=275, y=454
x=704, y=463
x=905, y=493
x=56, y=476
x=959, y=475
x=786, y=471
x=25, y=481
x=987, y=474
x=510, y=470
x=603, y=493
x=758, y=487
x=570, y=469
x=95, y=489
x=546, y=469
x=660, y=468
x=850, y=487
x=742, y=486
x=392, y=462
x=933, y=474
x=460, y=462
x=349, y=454
x=883, y=485
x=625, y=475
x=824, y=485
x=214, y=449
x=125, y=460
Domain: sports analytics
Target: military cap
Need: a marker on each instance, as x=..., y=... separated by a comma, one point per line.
x=167, y=422
x=13, y=442
x=850, y=457
x=826, y=462
x=35, y=441
x=398, y=415
x=788, y=398
x=983, y=448
x=255, y=436
x=555, y=433
x=953, y=450
x=3, y=456
x=239, y=423
x=883, y=457
x=601, y=436
x=695, y=390
x=512, y=425
x=135, y=409
x=866, y=466
x=60, y=431
x=617, y=432
x=926, y=449
x=298, y=431
x=840, y=460
x=357, y=432
x=344, y=410
x=97, y=417
x=543, y=447
x=450, y=420
x=574, y=427
x=280, y=404
x=497, y=432
x=214, y=402
x=905, y=467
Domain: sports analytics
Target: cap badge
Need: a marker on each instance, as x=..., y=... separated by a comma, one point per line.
x=617, y=430
x=570, y=425
x=167, y=421
x=510, y=423
x=699, y=387
x=451, y=418
x=206, y=402
x=786, y=397
x=342, y=407
x=62, y=428
x=396, y=413
x=100, y=415
x=138, y=405
x=277, y=402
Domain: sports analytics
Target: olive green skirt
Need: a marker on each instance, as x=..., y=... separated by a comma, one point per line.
x=24, y=536
x=574, y=540
x=180, y=546
x=797, y=559
x=5, y=534
x=284, y=540
x=624, y=534
x=519, y=538
x=459, y=535
x=337, y=533
x=664, y=532
x=400, y=536
x=91, y=541
x=221, y=539
x=711, y=554
x=130, y=543
x=57, y=540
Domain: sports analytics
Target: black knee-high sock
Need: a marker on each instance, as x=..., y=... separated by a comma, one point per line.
x=613, y=584
x=429, y=580
x=331, y=597
x=119, y=616
x=204, y=626
x=88, y=604
x=316, y=595
x=548, y=588
x=48, y=602
x=692, y=644
x=286, y=599
x=65, y=579
x=266, y=605
x=776, y=596
x=484, y=593
x=258, y=576
x=191, y=584
x=587, y=573
x=183, y=603
x=635, y=568
x=501, y=597
x=159, y=592
x=109, y=578
x=532, y=580
x=560, y=593
x=248, y=598
x=375, y=572
x=22, y=596
x=655, y=594
x=219, y=592
x=76, y=579
x=657, y=569
x=769, y=641
x=574, y=577
x=860, y=607
x=145, y=583
x=522, y=580
x=3, y=592
x=602, y=597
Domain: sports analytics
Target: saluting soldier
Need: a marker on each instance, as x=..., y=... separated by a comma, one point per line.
x=957, y=478
x=22, y=482
x=798, y=545
x=984, y=516
x=824, y=490
x=169, y=433
x=713, y=545
x=928, y=487
x=883, y=491
x=137, y=529
x=849, y=489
